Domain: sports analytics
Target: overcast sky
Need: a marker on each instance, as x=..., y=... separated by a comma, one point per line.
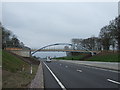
x=40, y=24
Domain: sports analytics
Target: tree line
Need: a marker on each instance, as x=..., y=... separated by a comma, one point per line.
x=108, y=38
x=9, y=40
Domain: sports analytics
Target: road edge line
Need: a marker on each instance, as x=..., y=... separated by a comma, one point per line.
x=113, y=81
x=58, y=81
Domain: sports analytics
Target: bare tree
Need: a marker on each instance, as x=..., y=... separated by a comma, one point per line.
x=76, y=42
x=105, y=36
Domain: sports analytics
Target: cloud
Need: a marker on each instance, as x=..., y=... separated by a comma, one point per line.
x=39, y=24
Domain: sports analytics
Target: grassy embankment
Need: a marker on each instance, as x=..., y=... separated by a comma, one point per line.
x=0, y=57
x=103, y=57
x=13, y=75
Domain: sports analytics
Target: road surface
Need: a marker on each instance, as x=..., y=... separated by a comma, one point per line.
x=65, y=75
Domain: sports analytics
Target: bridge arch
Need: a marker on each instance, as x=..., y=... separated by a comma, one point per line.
x=62, y=44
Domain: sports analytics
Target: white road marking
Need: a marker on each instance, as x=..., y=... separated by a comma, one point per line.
x=101, y=69
x=31, y=70
x=61, y=85
x=113, y=81
x=66, y=66
x=60, y=64
x=78, y=70
x=0, y=66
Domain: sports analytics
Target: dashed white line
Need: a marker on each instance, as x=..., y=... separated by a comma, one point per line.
x=78, y=70
x=113, y=81
x=61, y=85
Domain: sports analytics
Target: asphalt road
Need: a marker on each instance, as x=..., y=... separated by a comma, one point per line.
x=65, y=75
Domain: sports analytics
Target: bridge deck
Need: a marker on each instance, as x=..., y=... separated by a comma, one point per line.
x=63, y=50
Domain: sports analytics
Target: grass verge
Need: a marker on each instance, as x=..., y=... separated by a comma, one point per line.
x=21, y=79
x=102, y=57
x=112, y=57
x=13, y=74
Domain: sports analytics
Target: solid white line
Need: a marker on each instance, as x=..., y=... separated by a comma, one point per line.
x=101, y=69
x=113, y=81
x=61, y=85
